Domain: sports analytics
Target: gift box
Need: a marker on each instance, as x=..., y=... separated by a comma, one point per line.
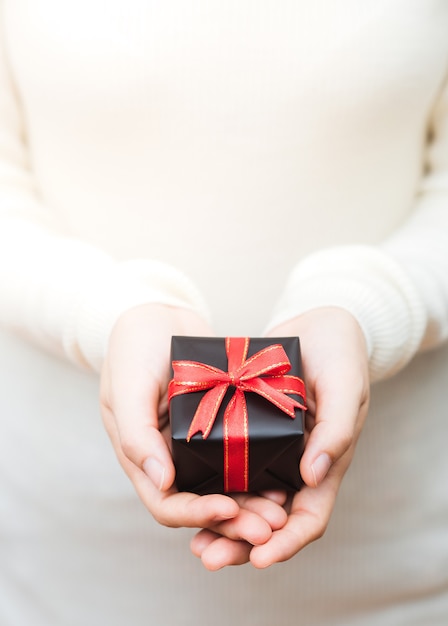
x=237, y=414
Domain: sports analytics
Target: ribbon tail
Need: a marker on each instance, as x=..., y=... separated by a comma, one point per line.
x=236, y=444
x=206, y=411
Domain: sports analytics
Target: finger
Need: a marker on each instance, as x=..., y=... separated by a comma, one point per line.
x=222, y=552
x=269, y=510
x=308, y=520
x=202, y=540
x=142, y=445
x=246, y=526
x=279, y=497
x=172, y=508
x=133, y=408
x=337, y=427
x=183, y=509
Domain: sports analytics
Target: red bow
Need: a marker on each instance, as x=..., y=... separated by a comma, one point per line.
x=263, y=373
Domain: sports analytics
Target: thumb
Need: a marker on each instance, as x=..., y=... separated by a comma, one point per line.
x=337, y=427
x=132, y=422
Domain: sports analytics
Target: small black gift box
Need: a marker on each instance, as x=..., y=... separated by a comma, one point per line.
x=237, y=414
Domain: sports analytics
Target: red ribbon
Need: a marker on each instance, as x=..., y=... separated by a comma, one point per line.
x=264, y=373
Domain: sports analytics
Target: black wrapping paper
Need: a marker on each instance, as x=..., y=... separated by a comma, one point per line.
x=276, y=441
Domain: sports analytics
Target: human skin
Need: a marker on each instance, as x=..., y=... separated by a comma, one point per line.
x=335, y=363
x=133, y=400
x=261, y=528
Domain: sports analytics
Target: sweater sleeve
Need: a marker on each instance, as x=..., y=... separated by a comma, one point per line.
x=55, y=289
x=398, y=291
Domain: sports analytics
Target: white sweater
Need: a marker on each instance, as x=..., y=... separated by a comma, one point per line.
x=252, y=159
x=164, y=151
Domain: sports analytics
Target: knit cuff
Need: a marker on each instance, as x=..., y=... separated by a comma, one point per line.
x=122, y=287
x=371, y=286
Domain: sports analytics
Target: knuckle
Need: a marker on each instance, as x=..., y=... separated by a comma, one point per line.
x=131, y=449
x=160, y=518
x=345, y=438
x=164, y=519
x=319, y=530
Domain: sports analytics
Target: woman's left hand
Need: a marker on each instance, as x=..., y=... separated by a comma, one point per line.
x=335, y=363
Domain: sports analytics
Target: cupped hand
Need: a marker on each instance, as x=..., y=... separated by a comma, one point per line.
x=133, y=400
x=335, y=364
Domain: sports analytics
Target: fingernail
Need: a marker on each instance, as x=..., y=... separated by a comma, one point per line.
x=222, y=517
x=320, y=468
x=155, y=471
